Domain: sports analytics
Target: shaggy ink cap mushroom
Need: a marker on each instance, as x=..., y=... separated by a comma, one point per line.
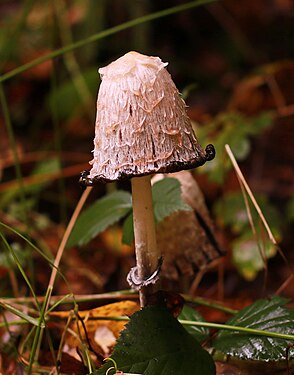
x=142, y=126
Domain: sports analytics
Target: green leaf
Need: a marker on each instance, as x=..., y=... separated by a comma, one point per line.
x=156, y=343
x=167, y=198
x=199, y=333
x=270, y=315
x=103, y=213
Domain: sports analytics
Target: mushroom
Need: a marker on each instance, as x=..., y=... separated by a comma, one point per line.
x=142, y=128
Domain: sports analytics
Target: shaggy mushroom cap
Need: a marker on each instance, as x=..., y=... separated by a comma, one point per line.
x=141, y=125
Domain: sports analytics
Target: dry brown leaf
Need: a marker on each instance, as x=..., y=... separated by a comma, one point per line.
x=102, y=334
x=187, y=238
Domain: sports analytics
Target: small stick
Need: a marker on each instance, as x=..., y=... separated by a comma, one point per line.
x=249, y=192
x=147, y=253
x=243, y=182
x=63, y=242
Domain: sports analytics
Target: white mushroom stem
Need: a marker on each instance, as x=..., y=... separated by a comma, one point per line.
x=147, y=253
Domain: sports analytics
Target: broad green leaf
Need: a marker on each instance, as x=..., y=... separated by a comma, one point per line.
x=167, y=198
x=103, y=213
x=154, y=342
x=269, y=315
x=199, y=333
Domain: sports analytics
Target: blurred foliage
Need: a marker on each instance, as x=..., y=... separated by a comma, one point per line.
x=236, y=130
x=231, y=212
x=66, y=100
x=290, y=210
x=251, y=247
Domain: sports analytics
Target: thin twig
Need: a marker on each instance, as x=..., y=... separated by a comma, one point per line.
x=63, y=299
x=64, y=241
x=249, y=192
x=243, y=182
x=284, y=285
x=251, y=222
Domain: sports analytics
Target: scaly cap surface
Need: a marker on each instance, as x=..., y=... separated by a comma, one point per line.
x=141, y=124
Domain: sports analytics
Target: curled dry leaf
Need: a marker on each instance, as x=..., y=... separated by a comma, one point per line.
x=187, y=239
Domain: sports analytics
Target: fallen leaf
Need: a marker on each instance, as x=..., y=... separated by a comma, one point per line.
x=102, y=334
x=187, y=239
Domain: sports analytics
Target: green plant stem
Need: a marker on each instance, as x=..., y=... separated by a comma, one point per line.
x=250, y=331
x=103, y=34
x=39, y=333
x=212, y=304
x=19, y=313
x=14, y=323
